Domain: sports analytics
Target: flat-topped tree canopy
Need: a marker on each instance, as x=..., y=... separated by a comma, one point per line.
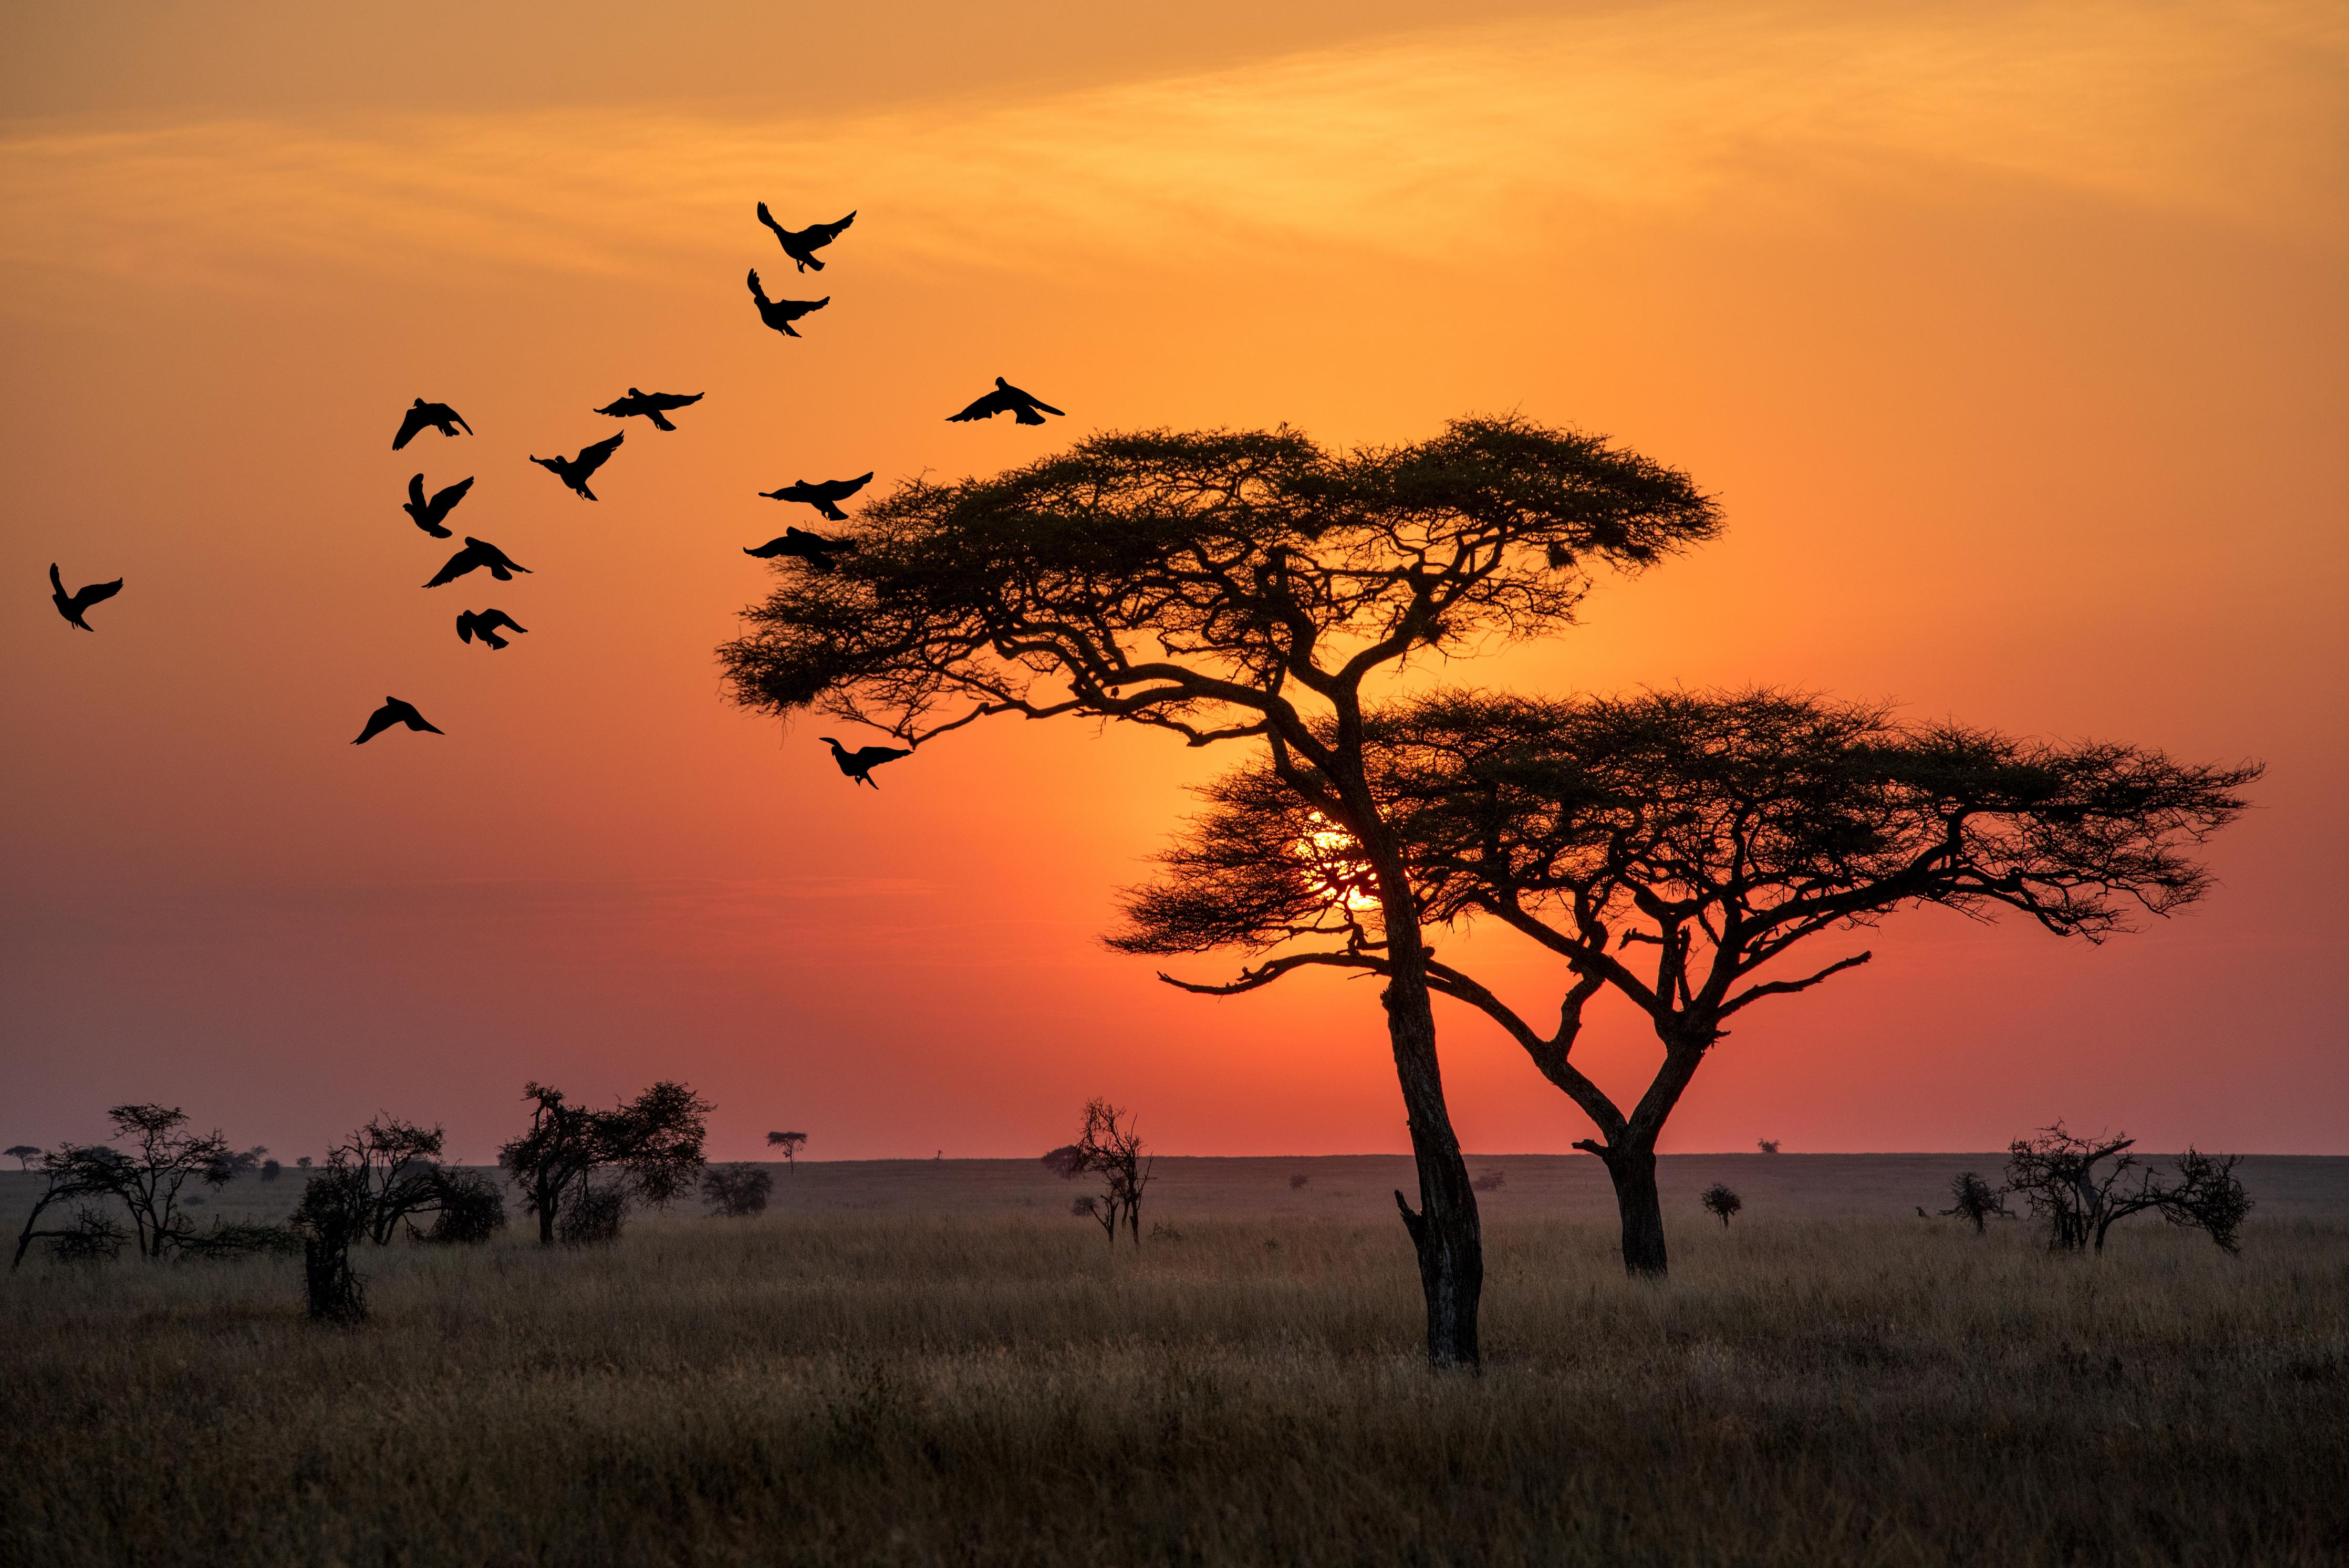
x=1718, y=828
x=1206, y=584
x=1187, y=579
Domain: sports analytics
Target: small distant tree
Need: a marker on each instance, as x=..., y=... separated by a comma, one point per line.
x=163, y=1159
x=303, y=1163
x=24, y=1154
x=336, y=1204
x=2058, y=1176
x=791, y=1143
x=1720, y=1202
x=1112, y=1149
x=1975, y=1201
x=468, y=1208
x=1491, y=1181
x=1297, y=1181
x=649, y=1147
x=1768, y=1145
x=237, y=1162
x=271, y=1170
x=737, y=1191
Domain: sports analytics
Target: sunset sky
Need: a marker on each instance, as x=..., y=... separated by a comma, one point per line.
x=2009, y=337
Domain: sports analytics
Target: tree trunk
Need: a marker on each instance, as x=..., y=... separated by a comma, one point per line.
x=1632, y=1166
x=1446, y=1231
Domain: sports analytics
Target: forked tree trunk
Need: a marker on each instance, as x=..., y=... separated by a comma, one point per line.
x=1632, y=1166
x=1444, y=1231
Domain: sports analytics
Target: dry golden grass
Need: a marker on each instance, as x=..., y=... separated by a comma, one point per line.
x=996, y=1388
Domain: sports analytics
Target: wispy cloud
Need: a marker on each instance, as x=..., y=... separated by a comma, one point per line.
x=1439, y=146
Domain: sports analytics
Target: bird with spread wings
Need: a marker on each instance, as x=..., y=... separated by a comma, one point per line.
x=654, y=406
x=429, y=515
x=825, y=497
x=72, y=605
x=800, y=245
x=1007, y=398
x=422, y=416
x=575, y=472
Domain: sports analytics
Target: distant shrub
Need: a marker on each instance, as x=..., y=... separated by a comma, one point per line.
x=593, y=1217
x=737, y=1191
x=1298, y=1180
x=1718, y=1199
x=470, y=1208
x=271, y=1170
x=1767, y=1145
x=1976, y=1201
x=1491, y=1181
x=1162, y=1232
x=227, y=1241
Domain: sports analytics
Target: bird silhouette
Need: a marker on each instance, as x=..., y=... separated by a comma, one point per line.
x=800, y=245
x=654, y=406
x=1006, y=398
x=813, y=548
x=428, y=514
x=477, y=553
x=574, y=471
x=780, y=314
x=422, y=416
x=70, y=605
x=395, y=712
x=825, y=497
x=484, y=623
x=859, y=764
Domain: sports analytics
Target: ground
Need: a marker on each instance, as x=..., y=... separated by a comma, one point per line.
x=935, y=1363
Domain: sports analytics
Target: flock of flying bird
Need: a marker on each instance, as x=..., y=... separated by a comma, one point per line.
x=815, y=551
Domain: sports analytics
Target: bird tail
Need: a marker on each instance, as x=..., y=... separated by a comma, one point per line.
x=660, y=421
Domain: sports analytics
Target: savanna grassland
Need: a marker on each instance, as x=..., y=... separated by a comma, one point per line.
x=909, y=1364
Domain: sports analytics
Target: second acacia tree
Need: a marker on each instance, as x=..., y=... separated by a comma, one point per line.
x=1232, y=585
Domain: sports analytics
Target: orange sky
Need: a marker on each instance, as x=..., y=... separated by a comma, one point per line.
x=2010, y=336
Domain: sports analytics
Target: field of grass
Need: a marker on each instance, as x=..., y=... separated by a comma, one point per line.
x=909, y=1364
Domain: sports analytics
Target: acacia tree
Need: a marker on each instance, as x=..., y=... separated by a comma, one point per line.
x=2057, y=1174
x=791, y=1143
x=162, y=1158
x=1232, y=585
x=1720, y=1200
x=1715, y=833
x=24, y=1154
x=1110, y=1147
x=653, y=1142
x=1975, y=1201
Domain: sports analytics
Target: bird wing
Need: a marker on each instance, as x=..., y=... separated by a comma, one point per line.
x=457, y=418
x=770, y=549
x=1031, y=400
x=445, y=501
x=382, y=719
x=756, y=292
x=408, y=715
x=56, y=583
x=491, y=619
x=464, y=625
x=458, y=565
x=769, y=219
x=97, y=593
x=416, y=493
x=415, y=419
x=620, y=408
x=824, y=234
x=842, y=489
x=802, y=540
x=593, y=457
x=673, y=400
x=984, y=408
